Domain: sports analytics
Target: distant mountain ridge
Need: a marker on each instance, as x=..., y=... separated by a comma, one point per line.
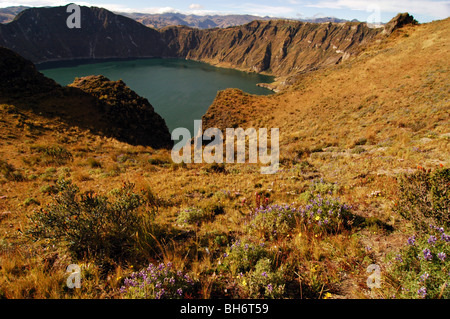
x=161, y=20
x=9, y=13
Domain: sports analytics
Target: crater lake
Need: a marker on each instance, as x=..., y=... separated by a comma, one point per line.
x=179, y=90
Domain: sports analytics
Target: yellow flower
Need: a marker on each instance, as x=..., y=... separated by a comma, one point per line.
x=327, y=296
x=244, y=283
x=317, y=217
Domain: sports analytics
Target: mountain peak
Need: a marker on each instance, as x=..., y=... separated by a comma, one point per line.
x=399, y=21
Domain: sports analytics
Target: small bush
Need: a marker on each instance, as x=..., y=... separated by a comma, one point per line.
x=273, y=221
x=263, y=281
x=92, y=225
x=320, y=215
x=215, y=168
x=160, y=159
x=192, y=216
x=158, y=282
x=326, y=214
x=361, y=141
x=242, y=256
x=93, y=163
x=49, y=189
x=357, y=150
x=320, y=187
x=30, y=201
x=424, y=198
x=54, y=154
x=422, y=268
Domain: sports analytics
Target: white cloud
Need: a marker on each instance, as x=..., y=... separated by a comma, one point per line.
x=56, y=3
x=157, y=10
x=433, y=8
x=263, y=10
x=195, y=6
x=109, y=6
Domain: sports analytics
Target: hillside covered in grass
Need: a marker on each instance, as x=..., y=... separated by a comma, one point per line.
x=364, y=154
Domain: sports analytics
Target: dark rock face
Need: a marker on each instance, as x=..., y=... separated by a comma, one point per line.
x=41, y=34
x=399, y=21
x=130, y=117
x=19, y=77
x=108, y=108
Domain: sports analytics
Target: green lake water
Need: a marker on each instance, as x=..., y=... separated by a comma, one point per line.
x=180, y=91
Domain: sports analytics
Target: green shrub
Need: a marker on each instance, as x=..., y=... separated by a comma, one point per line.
x=93, y=163
x=422, y=268
x=327, y=215
x=30, y=201
x=92, y=225
x=54, y=154
x=242, y=256
x=263, y=281
x=192, y=216
x=357, y=150
x=320, y=187
x=49, y=189
x=424, y=198
x=361, y=141
x=215, y=168
x=273, y=221
x=320, y=215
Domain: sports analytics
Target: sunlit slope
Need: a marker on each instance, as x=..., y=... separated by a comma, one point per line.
x=393, y=98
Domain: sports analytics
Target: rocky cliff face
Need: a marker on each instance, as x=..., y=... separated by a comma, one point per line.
x=108, y=108
x=278, y=47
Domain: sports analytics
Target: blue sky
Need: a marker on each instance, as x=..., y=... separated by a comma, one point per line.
x=371, y=11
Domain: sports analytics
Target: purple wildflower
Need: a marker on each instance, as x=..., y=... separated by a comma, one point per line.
x=412, y=240
x=427, y=254
x=160, y=293
x=445, y=237
x=424, y=277
x=442, y=256
x=422, y=292
x=269, y=287
x=432, y=240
